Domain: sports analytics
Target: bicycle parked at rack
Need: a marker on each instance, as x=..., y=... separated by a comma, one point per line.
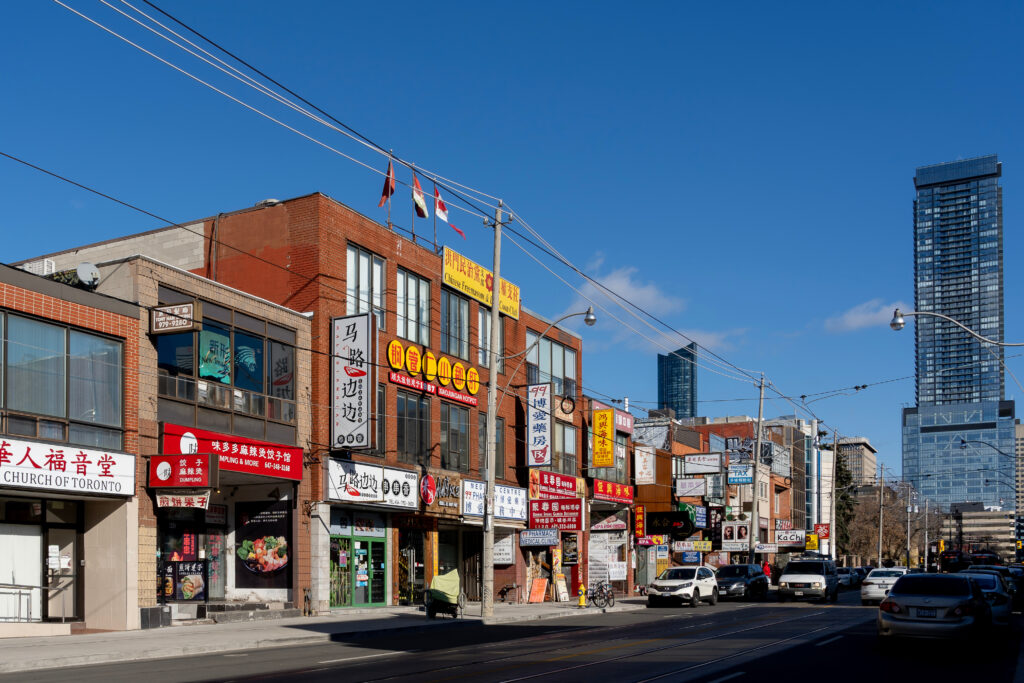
x=601, y=595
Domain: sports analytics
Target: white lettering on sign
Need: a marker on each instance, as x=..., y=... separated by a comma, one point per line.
x=66, y=468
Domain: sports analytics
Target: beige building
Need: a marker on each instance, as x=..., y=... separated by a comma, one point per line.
x=981, y=530
x=859, y=456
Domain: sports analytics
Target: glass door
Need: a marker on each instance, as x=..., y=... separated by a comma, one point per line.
x=62, y=573
x=341, y=571
x=361, y=569
x=21, y=564
x=378, y=581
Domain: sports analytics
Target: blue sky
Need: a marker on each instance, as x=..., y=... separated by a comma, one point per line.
x=743, y=172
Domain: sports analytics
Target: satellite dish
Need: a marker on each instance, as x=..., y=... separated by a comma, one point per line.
x=88, y=275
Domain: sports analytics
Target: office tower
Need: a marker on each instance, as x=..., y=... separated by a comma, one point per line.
x=958, y=442
x=859, y=457
x=677, y=381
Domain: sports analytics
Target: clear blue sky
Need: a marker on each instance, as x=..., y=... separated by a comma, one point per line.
x=744, y=172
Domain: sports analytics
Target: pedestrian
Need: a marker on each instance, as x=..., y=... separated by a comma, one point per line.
x=766, y=567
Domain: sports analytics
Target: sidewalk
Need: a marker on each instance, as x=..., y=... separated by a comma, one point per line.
x=52, y=652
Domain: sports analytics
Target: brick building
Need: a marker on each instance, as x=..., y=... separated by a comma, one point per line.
x=369, y=546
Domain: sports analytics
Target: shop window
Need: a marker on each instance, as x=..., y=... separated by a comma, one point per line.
x=484, y=343
x=499, y=451
x=248, y=359
x=26, y=510
x=454, y=325
x=364, y=284
x=549, y=361
x=412, y=418
x=454, y=437
x=94, y=389
x=214, y=352
x=413, y=307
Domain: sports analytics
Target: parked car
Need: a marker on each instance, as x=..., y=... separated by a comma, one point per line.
x=847, y=577
x=862, y=573
x=996, y=591
x=934, y=606
x=683, y=584
x=809, y=578
x=742, y=581
x=1012, y=587
x=877, y=584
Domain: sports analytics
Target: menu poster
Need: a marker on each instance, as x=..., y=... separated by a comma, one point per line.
x=570, y=549
x=263, y=549
x=538, y=589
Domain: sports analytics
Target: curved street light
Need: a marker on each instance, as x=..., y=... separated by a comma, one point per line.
x=897, y=323
x=964, y=442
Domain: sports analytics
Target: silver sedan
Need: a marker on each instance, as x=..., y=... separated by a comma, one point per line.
x=877, y=584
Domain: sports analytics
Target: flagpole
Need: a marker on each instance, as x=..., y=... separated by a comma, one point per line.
x=435, y=218
x=413, y=207
x=390, y=161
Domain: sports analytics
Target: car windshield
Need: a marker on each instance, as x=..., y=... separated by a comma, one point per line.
x=986, y=582
x=805, y=568
x=884, y=573
x=678, y=574
x=731, y=570
x=923, y=584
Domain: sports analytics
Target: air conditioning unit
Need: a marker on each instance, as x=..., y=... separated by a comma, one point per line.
x=44, y=266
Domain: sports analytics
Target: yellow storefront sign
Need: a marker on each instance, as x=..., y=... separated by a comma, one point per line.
x=413, y=360
x=429, y=366
x=474, y=280
x=604, y=438
x=396, y=355
x=812, y=542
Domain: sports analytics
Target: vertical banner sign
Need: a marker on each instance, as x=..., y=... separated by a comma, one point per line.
x=604, y=438
x=639, y=521
x=643, y=465
x=352, y=381
x=538, y=424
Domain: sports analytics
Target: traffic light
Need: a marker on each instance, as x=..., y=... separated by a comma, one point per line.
x=942, y=545
x=1018, y=545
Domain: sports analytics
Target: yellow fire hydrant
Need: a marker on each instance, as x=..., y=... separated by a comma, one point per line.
x=583, y=597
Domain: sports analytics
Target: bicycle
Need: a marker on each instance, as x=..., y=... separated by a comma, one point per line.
x=602, y=595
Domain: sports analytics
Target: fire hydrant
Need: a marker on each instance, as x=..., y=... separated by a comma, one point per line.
x=583, y=597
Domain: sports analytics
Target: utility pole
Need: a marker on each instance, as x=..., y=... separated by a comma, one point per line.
x=881, y=494
x=832, y=538
x=755, y=525
x=926, y=552
x=910, y=507
x=487, y=578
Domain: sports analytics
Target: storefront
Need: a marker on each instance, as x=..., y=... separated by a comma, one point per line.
x=226, y=524
x=362, y=536
x=552, y=549
x=65, y=520
x=510, y=517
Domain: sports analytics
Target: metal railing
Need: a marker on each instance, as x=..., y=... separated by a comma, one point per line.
x=21, y=591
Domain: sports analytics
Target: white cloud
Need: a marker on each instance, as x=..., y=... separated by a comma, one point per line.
x=872, y=313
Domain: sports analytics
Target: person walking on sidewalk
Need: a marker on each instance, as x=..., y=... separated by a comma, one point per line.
x=766, y=567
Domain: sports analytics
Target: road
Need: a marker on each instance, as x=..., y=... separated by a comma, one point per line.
x=732, y=641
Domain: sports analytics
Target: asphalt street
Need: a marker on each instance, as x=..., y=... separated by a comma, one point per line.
x=733, y=641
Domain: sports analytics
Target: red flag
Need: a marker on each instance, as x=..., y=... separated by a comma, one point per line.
x=389, y=185
x=417, y=198
x=441, y=209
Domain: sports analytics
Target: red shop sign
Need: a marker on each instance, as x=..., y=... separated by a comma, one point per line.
x=557, y=513
x=182, y=471
x=551, y=485
x=235, y=453
x=616, y=493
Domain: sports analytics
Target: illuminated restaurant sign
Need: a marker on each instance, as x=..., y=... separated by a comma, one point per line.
x=454, y=381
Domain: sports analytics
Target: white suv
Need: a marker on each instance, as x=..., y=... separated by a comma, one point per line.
x=683, y=584
x=811, y=578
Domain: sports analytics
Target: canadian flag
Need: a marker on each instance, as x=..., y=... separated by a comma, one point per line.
x=441, y=209
x=418, y=199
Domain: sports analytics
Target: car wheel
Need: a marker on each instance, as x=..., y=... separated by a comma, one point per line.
x=714, y=597
x=695, y=598
x=651, y=603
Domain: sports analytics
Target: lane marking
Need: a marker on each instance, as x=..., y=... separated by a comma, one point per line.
x=380, y=654
x=826, y=642
x=729, y=677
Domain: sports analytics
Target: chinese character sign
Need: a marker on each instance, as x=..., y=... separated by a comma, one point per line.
x=643, y=465
x=235, y=453
x=557, y=513
x=352, y=381
x=822, y=530
x=604, y=438
x=538, y=425
x=61, y=467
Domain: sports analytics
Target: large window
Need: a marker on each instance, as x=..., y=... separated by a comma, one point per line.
x=549, y=361
x=454, y=325
x=364, y=284
x=564, y=457
x=412, y=418
x=235, y=374
x=484, y=327
x=413, y=307
x=61, y=384
x=454, y=437
x=499, y=451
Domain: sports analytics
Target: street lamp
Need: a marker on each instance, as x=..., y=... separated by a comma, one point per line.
x=487, y=589
x=897, y=323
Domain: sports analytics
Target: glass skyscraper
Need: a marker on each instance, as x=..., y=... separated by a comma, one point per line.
x=958, y=442
x=677, y=381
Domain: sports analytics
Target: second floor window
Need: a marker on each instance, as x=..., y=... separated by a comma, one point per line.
x=454, y=325
x=412, y=418
x=454, y=437
x=564, y=456
x=413, y=307
x=484, y=327
x=364, y=284
x=549, y=361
